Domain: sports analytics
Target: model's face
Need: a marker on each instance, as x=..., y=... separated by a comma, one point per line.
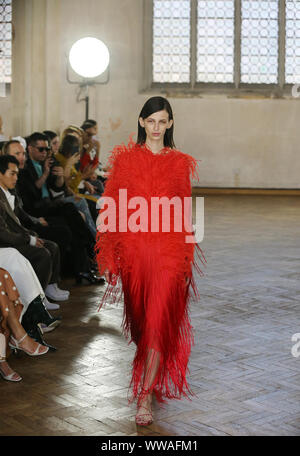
x=9, y=179
x=55, y=144
x=17, y=150
x=156, y=125
x=39, y=152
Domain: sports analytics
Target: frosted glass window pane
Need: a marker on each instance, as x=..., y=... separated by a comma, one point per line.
x=5, y=41
x=215, y=41
x=292, y=42
x=171, y=41
x=259, y=46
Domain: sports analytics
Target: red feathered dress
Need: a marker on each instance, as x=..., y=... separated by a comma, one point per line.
x=152, y=271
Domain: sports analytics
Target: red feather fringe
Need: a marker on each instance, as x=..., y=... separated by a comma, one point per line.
x=149, y=270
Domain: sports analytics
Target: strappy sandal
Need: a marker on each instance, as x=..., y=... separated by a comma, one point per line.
x=15, y=345
x=141, y=420
x=9, y=377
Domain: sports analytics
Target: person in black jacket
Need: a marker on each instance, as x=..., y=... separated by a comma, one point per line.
x=43, y=255
x=51, y=228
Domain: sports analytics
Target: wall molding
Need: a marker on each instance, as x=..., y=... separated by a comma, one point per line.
x=245, y=191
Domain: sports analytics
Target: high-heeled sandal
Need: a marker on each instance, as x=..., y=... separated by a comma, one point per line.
x=140, y=420
x=9, y=377
x=15, y=345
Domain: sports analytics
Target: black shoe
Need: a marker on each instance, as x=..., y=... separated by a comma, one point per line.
x=89, y=277
x=37, y=313
x=36, y=334
x=34, y=315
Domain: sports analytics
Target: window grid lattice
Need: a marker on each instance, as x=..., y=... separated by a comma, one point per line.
x=5, y=41
x=292, y=42
x=259, y=42
x=215, y=41
x=171, y=41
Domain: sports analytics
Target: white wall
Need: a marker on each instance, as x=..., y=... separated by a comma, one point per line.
x=241, y=142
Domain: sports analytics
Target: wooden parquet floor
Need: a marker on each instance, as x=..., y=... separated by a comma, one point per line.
x=245, y=379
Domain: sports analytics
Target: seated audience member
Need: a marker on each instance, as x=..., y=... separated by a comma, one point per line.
x=1, y=147
x=11, y=329
x=78, y=133
x=34, y=316
x=80, y=183
x=35, y=177
x=96, y=183
x=53, y=141
x=67, y=156
x=37, y=202
x=75, y=131
x=46, y=227
x=43, y=255
x=91, y=156
x=21, y=140
x=91, y=146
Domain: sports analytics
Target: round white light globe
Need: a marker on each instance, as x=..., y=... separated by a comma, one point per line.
x=89, y=57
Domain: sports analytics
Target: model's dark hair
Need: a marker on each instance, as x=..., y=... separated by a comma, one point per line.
x=151, y=106
x=36, y=136
x=4, y=162
x=69, y=146
x=88, y=124
x=5, y=149
x=50, y=134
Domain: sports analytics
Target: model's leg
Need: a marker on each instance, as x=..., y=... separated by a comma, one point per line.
x=144, y=410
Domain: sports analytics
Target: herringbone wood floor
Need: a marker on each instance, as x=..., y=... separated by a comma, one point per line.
x=245, y=379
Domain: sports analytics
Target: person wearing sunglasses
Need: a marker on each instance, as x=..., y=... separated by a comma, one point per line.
x=34, y=184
